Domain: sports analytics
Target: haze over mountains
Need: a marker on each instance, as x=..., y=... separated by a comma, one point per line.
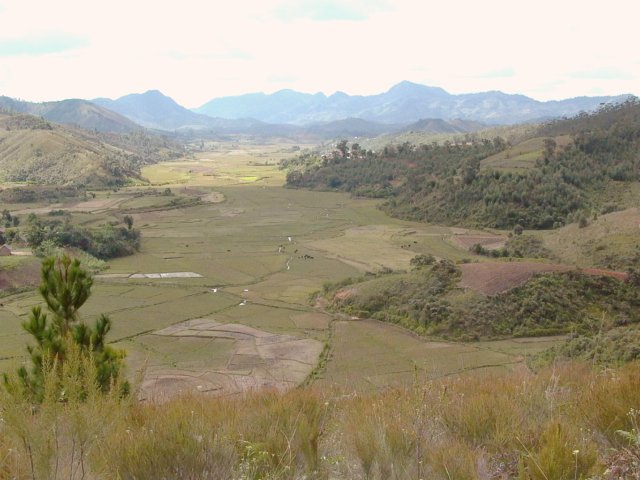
x=76, y=112
x=404, y=103
x=406, y=106
x=152, y=109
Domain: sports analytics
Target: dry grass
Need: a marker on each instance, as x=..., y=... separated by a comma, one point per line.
x=610, y=241
x=558, y=425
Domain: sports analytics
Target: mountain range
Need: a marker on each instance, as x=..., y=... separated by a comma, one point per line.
x=155, y=110
x=404, y=103
x=405, y=107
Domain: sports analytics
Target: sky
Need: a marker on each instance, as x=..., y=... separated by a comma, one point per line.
x=197, y=50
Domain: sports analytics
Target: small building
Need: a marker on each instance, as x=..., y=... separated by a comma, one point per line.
x=5, y=251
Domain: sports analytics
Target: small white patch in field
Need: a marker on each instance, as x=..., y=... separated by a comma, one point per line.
x=19, y=253
x=245, y=290
x=214, y=290
x=242, y=303
x=157, y=275
x=290, y=239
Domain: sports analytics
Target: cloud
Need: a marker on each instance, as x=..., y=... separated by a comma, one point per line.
x=40, y=45
x=282, y=79
x=194, y=50
x=604, y=73
x=329, y=10
x=499, y=73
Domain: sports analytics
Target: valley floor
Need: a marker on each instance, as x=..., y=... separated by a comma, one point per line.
x=246, y=251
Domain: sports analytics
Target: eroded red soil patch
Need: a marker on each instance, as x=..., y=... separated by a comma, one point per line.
x=492, y=278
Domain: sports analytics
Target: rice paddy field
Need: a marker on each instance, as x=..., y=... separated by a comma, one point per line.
x=236, y=248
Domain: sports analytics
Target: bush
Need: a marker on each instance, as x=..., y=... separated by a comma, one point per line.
x=422, y=260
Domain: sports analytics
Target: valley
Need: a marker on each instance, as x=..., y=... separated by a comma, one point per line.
x=260, y=252
x=281, y=310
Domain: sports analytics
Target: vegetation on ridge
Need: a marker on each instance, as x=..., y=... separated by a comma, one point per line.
x=428, y=302
x=33, y=150
x=446, y=184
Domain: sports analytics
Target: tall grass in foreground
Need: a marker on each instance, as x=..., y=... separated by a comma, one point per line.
x=569, y=423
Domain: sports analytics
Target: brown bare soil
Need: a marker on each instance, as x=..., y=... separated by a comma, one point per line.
x=27, y=275
x=260, y=360
x=608, y=273
x=213, y=197
x=492, y=278
x=344, y=293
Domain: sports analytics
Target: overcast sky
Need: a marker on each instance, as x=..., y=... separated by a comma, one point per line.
x=196, y=50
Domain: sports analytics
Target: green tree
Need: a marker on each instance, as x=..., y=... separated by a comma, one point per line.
x=128, y=220
x=65, y=288
x=549, y=148
x=343, y=148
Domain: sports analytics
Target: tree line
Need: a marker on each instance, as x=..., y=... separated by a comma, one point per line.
x=445, y=183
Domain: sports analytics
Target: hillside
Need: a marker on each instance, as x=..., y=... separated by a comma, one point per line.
x=612, y=240
x=476, y=183
x=155, y=110
x=436, y=301
x=152, y=109
x=36, y=151
x=74, y=112
x=349, y=127
x=404, y=103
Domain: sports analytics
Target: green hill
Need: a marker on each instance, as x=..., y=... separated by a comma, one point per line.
x=36, y=151
x=609, y=241
x=566, y=170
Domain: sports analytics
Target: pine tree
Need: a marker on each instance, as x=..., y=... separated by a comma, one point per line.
x=65, y=288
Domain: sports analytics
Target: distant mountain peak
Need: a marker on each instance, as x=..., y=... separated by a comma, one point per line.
x=408, y=88
x=154, y=109
x=403, y=103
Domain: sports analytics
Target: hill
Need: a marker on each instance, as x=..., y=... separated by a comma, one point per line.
x=36, y=151
x=437, y=125
x=564, y=179
x=349, y=127
x=404, y=103
x=74, y=112
x=153, y=109
x=609, y=241
x=528, y=300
